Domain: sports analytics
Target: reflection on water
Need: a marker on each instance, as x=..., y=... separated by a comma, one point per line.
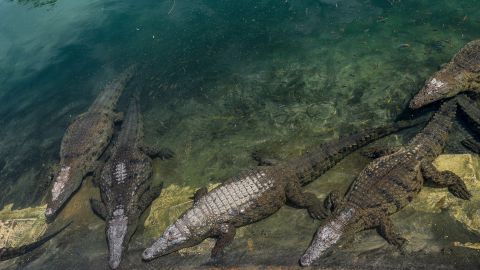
x=220, y=79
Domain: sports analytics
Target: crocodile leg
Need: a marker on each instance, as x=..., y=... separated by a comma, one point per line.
x=472, y=145
x=98, y=208
x=200, y=193
x=376, y=152
x=97, y=172
x=118, y=117
x=149, y=196
x=448, y=179
x=225, y=235
x=332, y=201
x=386, y=229
x=307, y=200
x=157, y=152
x=261, y=161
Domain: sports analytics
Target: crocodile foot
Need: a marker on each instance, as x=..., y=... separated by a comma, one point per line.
x=317, y=212
x=399, y=242
x=458, y=189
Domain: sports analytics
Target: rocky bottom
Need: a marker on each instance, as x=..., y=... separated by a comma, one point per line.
x=442, y=231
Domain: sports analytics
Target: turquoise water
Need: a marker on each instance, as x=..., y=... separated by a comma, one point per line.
x=218, y=80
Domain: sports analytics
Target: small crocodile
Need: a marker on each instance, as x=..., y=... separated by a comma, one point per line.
x=461, y=74
x=125, y=184
x=84, y=142
x=7, y=253
x=257, y=194
x=385, y=186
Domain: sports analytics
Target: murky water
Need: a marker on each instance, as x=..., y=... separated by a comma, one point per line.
x=218, y=80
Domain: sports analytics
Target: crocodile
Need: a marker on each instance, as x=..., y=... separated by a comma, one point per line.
x=471, y=112
x=258, y=193
x=125, y=185
x=385, y=186
x=461, y=74
x=84, y=142
x=7, y=253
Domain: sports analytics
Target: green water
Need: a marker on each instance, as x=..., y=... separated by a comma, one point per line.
x=218, y=80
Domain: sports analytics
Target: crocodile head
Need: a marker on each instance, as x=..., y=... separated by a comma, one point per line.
x=67, y=181
x=117, y=234
x=175, y=237
x=328, y=237
x=448, y=82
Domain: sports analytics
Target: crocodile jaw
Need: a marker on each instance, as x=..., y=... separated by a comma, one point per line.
x=435, y=89
x=116, y=232
x=172, y=240
x=58, y=192
x=327, y=237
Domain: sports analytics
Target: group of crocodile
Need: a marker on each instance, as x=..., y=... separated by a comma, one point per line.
x=385, y=186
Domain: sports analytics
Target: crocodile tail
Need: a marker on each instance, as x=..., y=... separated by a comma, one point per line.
x=10, y=253
x=131, y=127
x=431, y=140
x=108, y=98
x=470, y=111
x=311, y=166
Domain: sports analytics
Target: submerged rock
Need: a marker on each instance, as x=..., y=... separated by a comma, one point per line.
x=22, y=226
x=438, y=199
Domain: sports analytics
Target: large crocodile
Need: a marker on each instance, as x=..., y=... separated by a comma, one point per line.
x=84, y=142
x=256, y=194
x=125, y=184
x=461, y=74
x=7, y=253
x=387, y=185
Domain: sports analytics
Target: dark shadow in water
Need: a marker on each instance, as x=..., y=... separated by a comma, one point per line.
x=36, y=3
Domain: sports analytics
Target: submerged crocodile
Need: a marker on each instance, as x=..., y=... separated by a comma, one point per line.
x=7, y=253
x=471, y=113
x=461, y=74
x=387, y=185
x=125, y=184
x=257, y=194
x=84, y=142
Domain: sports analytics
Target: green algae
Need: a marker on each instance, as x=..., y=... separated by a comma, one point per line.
x=218, y=84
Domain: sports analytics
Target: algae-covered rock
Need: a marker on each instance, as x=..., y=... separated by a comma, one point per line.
x=22, y=226
x=437, y=199
x=173, y=201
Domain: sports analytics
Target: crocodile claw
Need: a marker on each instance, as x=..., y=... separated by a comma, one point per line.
x=398, y=242
x=460, y=190
x=317, y=212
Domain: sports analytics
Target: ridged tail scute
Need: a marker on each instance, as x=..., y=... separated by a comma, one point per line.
x=108, y=98
x=329, y=236
x=10, y=253
x=132, y=126
x=431, y=141
x=470, y=110
x=311, y=166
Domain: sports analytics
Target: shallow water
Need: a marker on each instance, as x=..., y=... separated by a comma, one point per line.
x=218, y=80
